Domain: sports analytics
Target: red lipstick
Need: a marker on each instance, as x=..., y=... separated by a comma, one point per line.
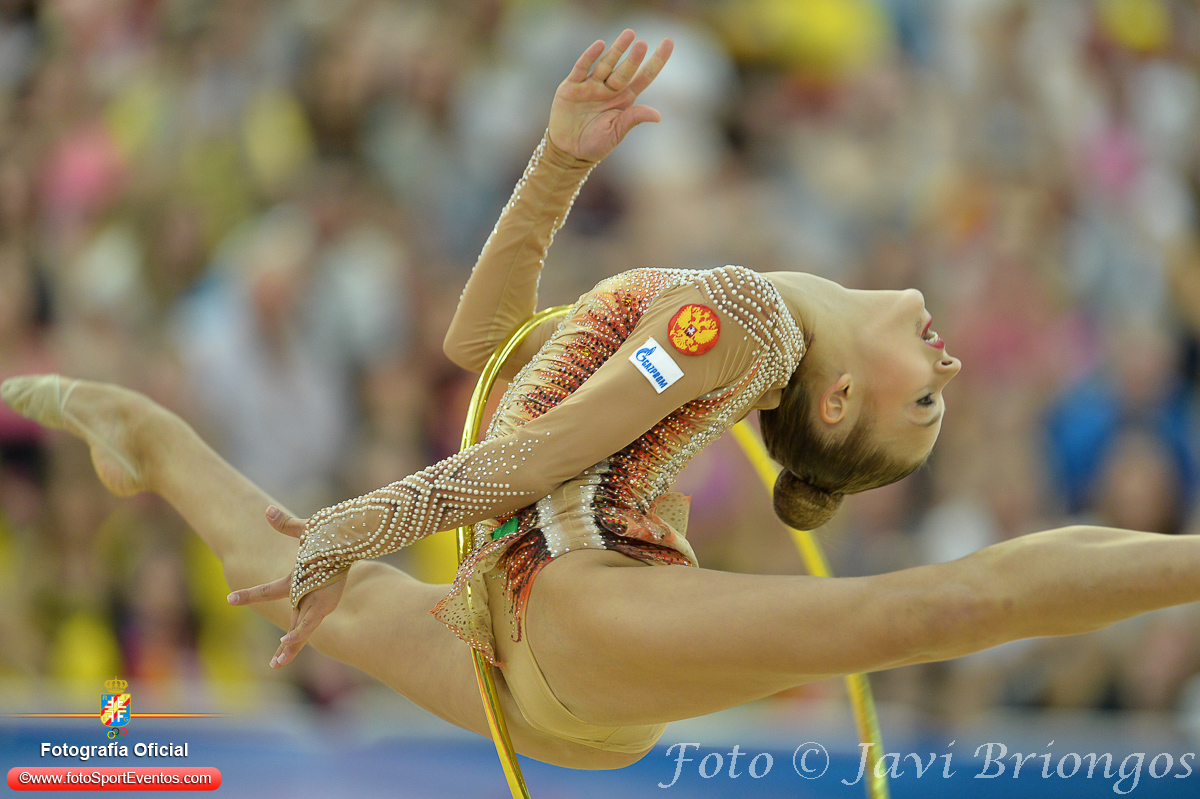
x=935, y=341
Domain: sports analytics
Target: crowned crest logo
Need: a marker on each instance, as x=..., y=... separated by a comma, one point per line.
x=114, y=707
x=694, y=329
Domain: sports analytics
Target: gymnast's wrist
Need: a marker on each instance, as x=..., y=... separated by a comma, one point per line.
x=556, y=156
x=305, y=581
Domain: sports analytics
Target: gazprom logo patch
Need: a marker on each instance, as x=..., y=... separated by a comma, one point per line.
x=656, y=365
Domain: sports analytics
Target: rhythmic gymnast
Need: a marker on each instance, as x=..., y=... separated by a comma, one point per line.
x=593, y=651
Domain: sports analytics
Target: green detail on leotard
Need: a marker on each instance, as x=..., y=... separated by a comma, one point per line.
x=509, y=526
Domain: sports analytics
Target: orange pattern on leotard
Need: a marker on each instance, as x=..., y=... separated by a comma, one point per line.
x=621, y=502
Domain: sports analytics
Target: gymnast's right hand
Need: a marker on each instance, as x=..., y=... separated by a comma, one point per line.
x=313, y=606
x=594, y=107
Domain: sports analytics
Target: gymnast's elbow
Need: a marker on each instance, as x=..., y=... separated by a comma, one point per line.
x=462, y=352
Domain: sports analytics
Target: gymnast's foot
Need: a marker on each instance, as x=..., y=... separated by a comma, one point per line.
x=107, y=417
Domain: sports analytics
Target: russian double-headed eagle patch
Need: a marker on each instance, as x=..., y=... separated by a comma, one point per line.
x=694, y=329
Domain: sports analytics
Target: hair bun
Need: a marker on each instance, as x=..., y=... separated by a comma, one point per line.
x=801, y=504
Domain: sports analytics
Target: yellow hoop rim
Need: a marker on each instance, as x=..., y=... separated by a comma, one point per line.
x=857, y=685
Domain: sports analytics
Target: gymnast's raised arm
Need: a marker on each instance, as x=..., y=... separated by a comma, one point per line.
x=593, y=109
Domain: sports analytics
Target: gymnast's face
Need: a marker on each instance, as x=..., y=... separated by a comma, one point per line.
x=872, y=355
x=900, y=366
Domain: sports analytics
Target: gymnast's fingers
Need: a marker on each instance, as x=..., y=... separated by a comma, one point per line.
x=266, y=592
x=295, y=639
x=649, y=72
x=285, y=523
x=290, y=643
x=639, y=114
x=579, y=72
x=620, y=77
x=608, y=61
x=314, y=607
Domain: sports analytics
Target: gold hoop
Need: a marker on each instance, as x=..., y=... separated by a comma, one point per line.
x=857, y=685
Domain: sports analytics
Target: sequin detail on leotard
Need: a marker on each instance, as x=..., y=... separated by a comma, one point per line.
x=615, y=504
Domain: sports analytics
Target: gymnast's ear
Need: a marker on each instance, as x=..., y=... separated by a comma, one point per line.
x=834, y=405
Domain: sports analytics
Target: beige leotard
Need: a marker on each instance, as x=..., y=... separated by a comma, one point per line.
x=603, y=410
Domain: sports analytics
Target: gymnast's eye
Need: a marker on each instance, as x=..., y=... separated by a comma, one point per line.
x=927, y=400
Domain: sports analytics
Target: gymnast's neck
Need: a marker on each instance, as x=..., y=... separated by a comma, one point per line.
x=818, y=305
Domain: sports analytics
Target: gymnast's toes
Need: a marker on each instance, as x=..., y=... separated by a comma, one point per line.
x=38, y=397
x=105, y=416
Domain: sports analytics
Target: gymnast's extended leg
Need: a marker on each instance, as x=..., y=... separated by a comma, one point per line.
x=382, y=625
x=703, y=640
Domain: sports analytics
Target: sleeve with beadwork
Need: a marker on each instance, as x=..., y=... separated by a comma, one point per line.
x=502, y=291
x=641, y=384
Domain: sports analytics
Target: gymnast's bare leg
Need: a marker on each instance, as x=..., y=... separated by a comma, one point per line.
x=725, y=639
x=382, y=625
x=597, y=617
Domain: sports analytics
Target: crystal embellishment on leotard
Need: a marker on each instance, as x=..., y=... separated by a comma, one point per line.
x=593, y=478
x=462, y=487
x=616, y=500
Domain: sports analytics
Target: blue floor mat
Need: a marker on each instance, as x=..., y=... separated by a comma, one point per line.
x=265, y=763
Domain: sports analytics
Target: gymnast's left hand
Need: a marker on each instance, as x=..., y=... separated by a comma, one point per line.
x=313, y=608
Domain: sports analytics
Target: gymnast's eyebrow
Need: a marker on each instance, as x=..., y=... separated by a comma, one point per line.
x=935, y=419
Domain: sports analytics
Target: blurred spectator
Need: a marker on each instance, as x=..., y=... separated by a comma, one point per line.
x=278, y=403
x=262, y=212
x=1140, y=385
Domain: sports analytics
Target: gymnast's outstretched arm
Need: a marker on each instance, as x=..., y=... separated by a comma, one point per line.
x=614, y=407
x=591, y=113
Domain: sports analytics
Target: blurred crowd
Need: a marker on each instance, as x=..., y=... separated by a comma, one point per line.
x=261, y=214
